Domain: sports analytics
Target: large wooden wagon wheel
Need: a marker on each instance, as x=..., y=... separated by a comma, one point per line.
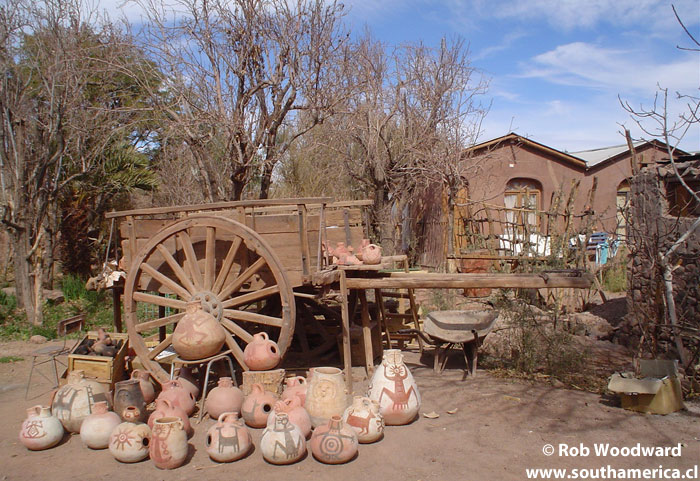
x=226, y=265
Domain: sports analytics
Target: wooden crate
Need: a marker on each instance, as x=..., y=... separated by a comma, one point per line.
x=107, y=370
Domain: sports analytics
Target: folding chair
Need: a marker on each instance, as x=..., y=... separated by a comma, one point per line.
x=49, y=354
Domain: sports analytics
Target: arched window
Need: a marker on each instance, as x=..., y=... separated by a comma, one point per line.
x=522, y=200
x=622, y=203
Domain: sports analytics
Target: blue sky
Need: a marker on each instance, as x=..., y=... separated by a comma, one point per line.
x=556, y=67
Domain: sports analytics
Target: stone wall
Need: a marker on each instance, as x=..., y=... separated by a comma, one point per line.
x=651, y=231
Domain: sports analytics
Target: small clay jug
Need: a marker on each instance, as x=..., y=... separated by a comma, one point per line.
x=168, y=447
x=326, y=395
x=147, y=389
x=364, y=417
x=334, y=442
x=198, y=334
x=74, y=402
x=128, y=394
x=166, y=409
x=257, y=406
x=295, y=412
x=282, y=442
x=295, y=387
x=41, y=430
x=228, y=440
x=394, y=388
x=98, y=426
x=176, y=393
x=129, y=442
x=224, y=398
x=261, y=353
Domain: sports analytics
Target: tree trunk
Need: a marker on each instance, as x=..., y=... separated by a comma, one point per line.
x=266, y=181
x=451, y=262
x=25, y=286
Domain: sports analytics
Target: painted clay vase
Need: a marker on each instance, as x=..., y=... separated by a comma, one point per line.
x=132, y=414
x=261, y=353
x=166, y=409
x=257, y=406
x=188, y=381
x=334, y=442
x=174, y=392
x=224, y=398
x=394, y=388
x=41, y=429
x=198, y=334
x=128, y=394
x=74, y=402
x=295, y=387
x=295, y=412
x=168, y=447
x=147, y=389
x=129, y=442
x=326, y=395
x=282, y=442
x=371, y=254
x=98, y=426
x=364, y=417
x=228, y=440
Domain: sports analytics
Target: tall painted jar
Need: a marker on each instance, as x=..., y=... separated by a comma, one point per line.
x=228, y=440
x=198, y=334
x=41, y=430
x=334, y=442
x=98, y=426
x=75, y=401
x=282, y=442
x=364, y=417
x=168, y=447
x=129, y=442
x=394, y=388
x=326, y=395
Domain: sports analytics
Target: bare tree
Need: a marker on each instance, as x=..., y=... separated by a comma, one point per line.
x=245, y=81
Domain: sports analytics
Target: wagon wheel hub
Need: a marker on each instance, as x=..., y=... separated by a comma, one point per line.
x=210, y=304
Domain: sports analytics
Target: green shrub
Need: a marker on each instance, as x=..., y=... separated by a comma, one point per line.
x=73, y=287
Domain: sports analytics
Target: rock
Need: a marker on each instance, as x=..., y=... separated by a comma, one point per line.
x=37, y=339
x=591, y=325
x=557, y=384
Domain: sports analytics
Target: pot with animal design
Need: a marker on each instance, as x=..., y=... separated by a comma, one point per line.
x=198, y=334
x=394, y=388
x=295, y=387
x=257, y=406
x=41, y=429
x=282, y=442
x=98, y=426
x=224, y=398
x=128, y=394
x=364, y=417
x=147, y=389
x=129, y=442
x=296, y=413
x=176, y=393
x=75, y=401
x=262, y=353
x=326, y=395
x=228, y=440
x=334, y=442
x=166, y=409
x=168, y=447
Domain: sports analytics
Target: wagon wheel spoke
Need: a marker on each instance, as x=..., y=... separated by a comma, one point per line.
x=159, y=301
x=237, y=283
x=251, y=297
x=177, y=269
x=237, y=330
x=252, y=317
x=210, y=259
x=191, y=259
x=166, y=281
x=160, y=322
x=167, y=342
x=235, y=350
x=228, y=263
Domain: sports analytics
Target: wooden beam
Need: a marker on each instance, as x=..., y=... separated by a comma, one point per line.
x=467, y=281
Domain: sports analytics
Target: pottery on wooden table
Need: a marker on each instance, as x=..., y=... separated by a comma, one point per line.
x=394, y=388
x=40, y=430
x=224, y=398
x=98, y=426
x=228, y=440
x=282, y=442
x=334, y=442
x=261, y=353
x=74, y=402
x=168, y=447
x=371, y=254
x=257, y=406
x=326, y=395
x=129, y=442
x=198, y=334
x=364, y=417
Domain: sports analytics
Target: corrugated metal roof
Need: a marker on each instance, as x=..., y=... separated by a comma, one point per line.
x=596, y=156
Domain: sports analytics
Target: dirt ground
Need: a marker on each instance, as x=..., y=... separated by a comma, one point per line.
x=499, y=430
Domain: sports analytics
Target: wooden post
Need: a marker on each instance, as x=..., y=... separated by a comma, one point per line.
x=304, y=241
x=366, y=332
x=345, y=316
x=117, y=308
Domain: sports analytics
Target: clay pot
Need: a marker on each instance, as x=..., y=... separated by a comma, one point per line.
x=178, y=396
x=132, y=414
x=228, y=440
x=326, y=395
x=364, y=417
x=128, y=394
x=41, y=430
x=371, y=254
x=257, y=406
x=188, y=381
x=295, y=387
x=282, y=442
x=394, y=388
x=224, y=398
x=98, y=426
x=166, y=409
x=334, y=442
x=74, y=402
x=129, y=442
x=168, y=447
x=147, y=389
x=261, y=353
x=198, y=334
x=295, y=412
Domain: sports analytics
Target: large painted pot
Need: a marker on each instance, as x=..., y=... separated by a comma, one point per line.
x=75, y=401
x=394, y=388
x=228, y=440
x=168, y=447
x=166, y=409
x=334, y=442
x=257, y=406
x=129, y=442
x=282, y=442
x=224, y=398
x=98, y=426
x=326, y=395
x=41, y=430
x=296, y=413
x=364, y=417
x=198, y=334
x=178, y=395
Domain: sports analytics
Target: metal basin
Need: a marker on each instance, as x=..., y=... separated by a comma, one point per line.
x=459, y=326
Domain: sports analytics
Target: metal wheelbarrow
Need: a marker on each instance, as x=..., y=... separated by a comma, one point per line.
x=445, y=329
